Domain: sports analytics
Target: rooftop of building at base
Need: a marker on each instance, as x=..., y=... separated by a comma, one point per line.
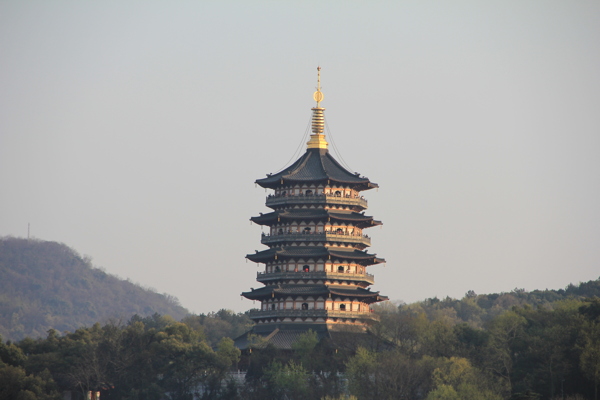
x=283, y=336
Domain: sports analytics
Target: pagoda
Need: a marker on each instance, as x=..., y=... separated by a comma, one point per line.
x=315, y=268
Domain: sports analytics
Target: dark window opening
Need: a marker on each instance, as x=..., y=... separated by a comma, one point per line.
x=340, y=269
x=342, y=307
x=305, y=306
x=306, y=268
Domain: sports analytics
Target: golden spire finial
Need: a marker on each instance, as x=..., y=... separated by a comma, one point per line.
x=318, y=95
x=317, y=139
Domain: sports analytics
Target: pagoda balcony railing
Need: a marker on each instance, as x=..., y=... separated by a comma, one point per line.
x=315, y=237
x=278, y=200
x=279, y=275
x=314, y=313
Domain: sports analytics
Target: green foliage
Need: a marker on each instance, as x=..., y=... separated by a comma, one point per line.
x=304, y=349
x=455, y=378
x=47, y=285
x=386, y=375
x=589, y=359
x=147, y=358
x=15, y=384
x=289, y=381
x=223, y=323
x=514, y=349
x=228, y=354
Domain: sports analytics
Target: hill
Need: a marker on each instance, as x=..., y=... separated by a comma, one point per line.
x=47, y=285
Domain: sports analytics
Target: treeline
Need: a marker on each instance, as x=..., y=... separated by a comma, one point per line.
x=477, y=310
x=147, y=358
x=535, y=353
x=47, y=285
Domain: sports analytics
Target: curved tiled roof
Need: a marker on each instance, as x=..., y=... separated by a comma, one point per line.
x=311, y=290
x=316, y=165
x=315, y=214
x=313, y=252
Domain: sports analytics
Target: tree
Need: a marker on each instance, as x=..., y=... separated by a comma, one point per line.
x=386, y=375
x=361, y=374
x=455, y=378
x=503, y=330
x=590, y=354
x=15, y=384
x=288, y=381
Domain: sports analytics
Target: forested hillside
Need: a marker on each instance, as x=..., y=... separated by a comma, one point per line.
x=47, y=285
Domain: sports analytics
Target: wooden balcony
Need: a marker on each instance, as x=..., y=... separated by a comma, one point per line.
x=317, y=199
x=362, y=240
x=315, y=275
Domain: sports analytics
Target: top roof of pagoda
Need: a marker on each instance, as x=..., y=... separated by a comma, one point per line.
x=316, y=166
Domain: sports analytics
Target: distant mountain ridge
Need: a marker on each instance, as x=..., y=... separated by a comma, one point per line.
x=47, y=285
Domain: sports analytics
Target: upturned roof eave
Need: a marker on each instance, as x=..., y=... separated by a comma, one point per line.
x=269, y=183
x=324, y=290
x=356, y=218
x=280, y=253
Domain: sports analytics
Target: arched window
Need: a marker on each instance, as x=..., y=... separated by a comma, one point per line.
x=306, y=230
x=273, y=306
x=342, y=307
x=339, y=231
x=277, y=269
x=308, y=192
x=306, y=268
x=283, y=193
x=305, y=306
x=280, y=231
x=338, y=193
x=341, y=268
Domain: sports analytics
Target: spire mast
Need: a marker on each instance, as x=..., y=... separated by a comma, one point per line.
x=317, y=139
x=318, y=95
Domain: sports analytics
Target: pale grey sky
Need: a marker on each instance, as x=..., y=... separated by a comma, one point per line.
x=133, y=132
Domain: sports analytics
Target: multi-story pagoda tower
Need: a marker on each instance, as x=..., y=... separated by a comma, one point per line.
x=315, y=274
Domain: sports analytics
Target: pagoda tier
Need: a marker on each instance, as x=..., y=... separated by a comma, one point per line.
x=349, y=275
x=331, y=199
x=315, y=269
x=296, y=303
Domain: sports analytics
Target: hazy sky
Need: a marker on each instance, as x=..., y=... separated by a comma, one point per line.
x=133, y=132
